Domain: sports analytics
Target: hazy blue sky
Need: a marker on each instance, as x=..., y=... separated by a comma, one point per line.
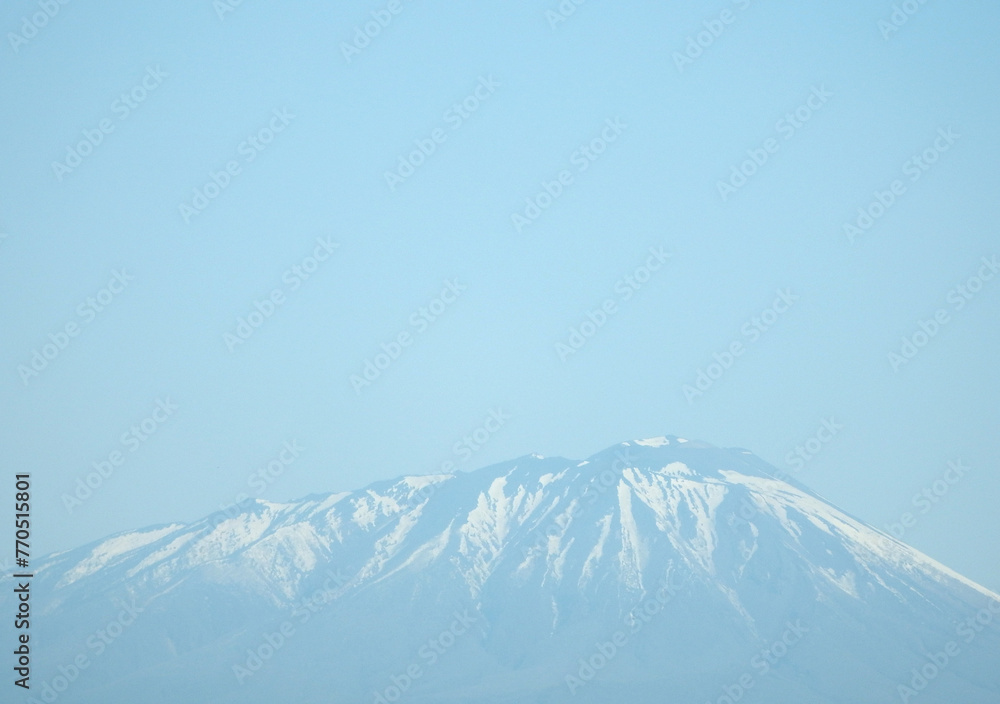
x=503, y=98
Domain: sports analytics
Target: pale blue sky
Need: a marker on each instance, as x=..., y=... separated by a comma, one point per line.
x=212, y=83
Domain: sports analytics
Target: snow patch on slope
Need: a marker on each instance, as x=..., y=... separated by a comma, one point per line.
x=105, y=553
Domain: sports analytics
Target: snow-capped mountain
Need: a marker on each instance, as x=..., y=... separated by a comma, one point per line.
x=659, y=570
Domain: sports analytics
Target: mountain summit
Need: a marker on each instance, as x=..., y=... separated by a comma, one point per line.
x=657, y=570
